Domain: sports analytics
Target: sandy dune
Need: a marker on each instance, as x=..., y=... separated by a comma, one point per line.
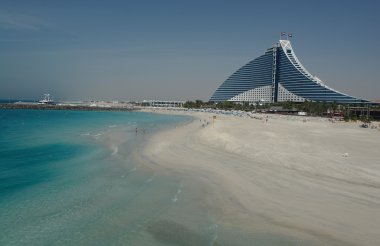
x=313, y=180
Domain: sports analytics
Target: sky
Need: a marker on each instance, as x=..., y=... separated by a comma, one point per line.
x=178, y=50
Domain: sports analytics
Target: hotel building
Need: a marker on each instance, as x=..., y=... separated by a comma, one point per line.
x=277, y=76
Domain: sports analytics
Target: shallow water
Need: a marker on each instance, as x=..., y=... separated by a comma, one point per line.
x=71, y=178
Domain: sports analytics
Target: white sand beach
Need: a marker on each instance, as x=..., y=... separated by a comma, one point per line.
x=298, y=176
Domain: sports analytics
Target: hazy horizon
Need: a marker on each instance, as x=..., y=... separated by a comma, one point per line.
x=171, y=50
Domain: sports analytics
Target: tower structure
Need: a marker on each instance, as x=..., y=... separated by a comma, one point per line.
x=277, y=76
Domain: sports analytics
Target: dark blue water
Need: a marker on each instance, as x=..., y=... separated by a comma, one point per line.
x=14, y=100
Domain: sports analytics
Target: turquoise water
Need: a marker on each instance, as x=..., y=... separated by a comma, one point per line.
x=69, y=177
x=74, y=178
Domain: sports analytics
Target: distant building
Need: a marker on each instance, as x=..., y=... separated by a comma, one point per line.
x=166, y=104
x=46, y=100
x=277, y=76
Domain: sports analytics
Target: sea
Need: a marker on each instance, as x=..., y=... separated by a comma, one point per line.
x=77, y=178
x=70, y=178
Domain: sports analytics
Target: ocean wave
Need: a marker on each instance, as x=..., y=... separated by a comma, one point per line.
x=96, y=136
x=132, y=169
x=115, y=149
x=179, y=191
x=150, y=179
x=214, y=227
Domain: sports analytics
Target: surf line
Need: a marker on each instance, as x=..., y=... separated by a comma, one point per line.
x=214, y=227
x=179, y=191
x=115, y=149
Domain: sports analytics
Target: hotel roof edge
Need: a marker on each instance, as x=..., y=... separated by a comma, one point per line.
x=286, y=45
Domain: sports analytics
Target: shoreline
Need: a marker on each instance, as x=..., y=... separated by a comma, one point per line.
x=285, y=176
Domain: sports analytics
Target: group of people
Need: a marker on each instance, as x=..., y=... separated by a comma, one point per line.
x=137, y=131
x=204, y=122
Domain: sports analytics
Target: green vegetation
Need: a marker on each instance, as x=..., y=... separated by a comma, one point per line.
x=311, y=108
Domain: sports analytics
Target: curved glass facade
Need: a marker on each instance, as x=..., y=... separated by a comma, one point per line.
x=280, y=69
x=254, y=74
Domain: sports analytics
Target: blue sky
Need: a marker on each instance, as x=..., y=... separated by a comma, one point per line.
x=134, y=50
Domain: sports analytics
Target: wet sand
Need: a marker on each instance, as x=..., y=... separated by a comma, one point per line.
x=304, y=178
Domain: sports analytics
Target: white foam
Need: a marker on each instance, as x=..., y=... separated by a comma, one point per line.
x=112, y=126
x=132, y=170
x=215, y=236
x=150, y=179
x=115, y=149
x=213, y=227
x=179, y=191
x=85, y=134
